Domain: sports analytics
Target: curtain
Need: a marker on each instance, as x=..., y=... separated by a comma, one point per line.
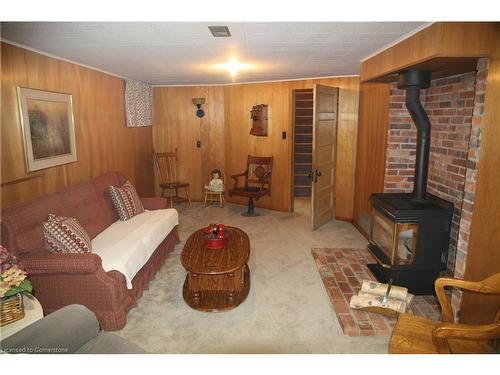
x=138, y=104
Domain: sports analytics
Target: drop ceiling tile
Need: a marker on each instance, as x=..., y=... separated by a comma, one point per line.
x=184, y=52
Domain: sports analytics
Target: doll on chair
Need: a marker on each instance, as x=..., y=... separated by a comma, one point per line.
x=216, y=184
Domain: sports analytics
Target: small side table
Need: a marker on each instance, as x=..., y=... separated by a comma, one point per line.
x=32, y=312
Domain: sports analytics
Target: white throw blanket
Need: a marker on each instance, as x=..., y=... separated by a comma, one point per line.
x=126, y=246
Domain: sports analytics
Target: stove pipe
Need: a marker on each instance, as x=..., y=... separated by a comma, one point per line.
x=412, y=81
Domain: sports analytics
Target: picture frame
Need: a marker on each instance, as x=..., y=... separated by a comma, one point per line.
x=48, y=128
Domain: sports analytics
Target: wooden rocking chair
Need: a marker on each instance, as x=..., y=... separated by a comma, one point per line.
x=167, y=166
x=257, y=181
x=416, y=335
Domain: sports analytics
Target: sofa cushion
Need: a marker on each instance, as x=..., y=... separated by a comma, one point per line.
x=80, y=201
x=22, y=224
x=126, y=246
x=65, y=235
x=126, y=201
x=101, y=184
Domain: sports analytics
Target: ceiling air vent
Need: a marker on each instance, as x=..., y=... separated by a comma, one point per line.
x=219, y=31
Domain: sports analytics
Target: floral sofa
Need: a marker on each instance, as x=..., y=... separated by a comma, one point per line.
x=91, y=279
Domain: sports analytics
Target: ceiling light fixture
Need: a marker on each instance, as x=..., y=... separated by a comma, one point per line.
x=233, y=66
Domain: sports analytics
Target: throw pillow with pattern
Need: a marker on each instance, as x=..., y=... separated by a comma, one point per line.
x=126, y=201
x=65, y=235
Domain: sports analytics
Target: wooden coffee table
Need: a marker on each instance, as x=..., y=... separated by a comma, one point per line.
x=217, y=279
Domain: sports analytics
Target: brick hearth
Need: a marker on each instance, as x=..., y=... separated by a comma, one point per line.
x=343, y=271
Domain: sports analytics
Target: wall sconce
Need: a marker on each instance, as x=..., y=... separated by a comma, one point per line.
x=198, y=102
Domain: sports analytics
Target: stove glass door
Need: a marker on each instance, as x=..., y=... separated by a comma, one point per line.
x=398, y=241
x=406, y=243
x=382, y=233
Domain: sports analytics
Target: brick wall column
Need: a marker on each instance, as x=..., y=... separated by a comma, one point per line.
x=470, y=177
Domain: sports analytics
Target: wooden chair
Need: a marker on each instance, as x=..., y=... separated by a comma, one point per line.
x=416, y=335
x=167, y=166
x=216, y=196
x=257, y=181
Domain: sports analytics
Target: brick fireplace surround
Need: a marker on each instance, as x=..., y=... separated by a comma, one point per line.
x=455, y=108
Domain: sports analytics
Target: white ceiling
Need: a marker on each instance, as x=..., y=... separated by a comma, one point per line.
x=183, y=53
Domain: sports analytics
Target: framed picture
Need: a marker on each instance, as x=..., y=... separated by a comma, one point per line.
x=48, y=128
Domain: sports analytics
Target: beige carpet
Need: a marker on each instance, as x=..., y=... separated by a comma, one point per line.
x=287, y=310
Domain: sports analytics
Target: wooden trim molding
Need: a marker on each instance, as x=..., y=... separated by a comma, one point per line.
x=256, y=82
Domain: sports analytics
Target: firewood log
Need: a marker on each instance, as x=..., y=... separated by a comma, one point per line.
x=367, y=302
x=379, y=289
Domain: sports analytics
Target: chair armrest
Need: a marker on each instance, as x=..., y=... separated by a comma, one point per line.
x=445, y=331
x=63, y=331
x=62, y=263
x=154, y=203
x=490, y=285
x=235, y=176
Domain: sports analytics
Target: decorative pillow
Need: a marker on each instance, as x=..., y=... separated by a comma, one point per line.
x=126, y=201
x=65, y=235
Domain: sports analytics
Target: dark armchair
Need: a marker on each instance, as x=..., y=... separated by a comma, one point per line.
x=257, y=181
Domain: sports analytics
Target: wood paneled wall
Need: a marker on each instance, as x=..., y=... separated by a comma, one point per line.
x=226, y=142
x=483, y=255
x=239, y=99
x=103, y=141
x=372, y=143
x=176, y=125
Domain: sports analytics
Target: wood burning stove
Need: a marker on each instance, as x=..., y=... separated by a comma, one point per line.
x=409, y=239
x=410, y=232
